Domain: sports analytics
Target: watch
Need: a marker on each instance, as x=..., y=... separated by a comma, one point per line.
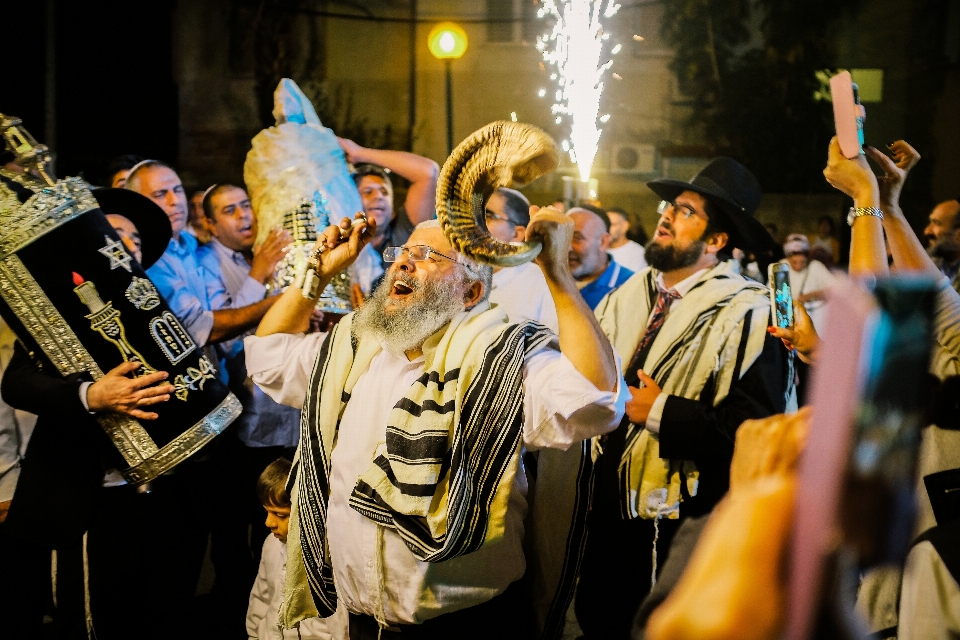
x=856, y=212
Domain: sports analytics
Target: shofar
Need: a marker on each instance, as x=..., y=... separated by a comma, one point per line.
x=501, y=154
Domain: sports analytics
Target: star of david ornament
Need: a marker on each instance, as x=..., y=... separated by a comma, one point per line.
x=116, y=253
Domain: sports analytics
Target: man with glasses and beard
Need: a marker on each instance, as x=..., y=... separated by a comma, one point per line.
x=409, y=489
x=700, y=362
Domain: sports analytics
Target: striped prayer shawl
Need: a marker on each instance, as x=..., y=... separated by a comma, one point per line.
x=464, y=415
x=712, y=333
x=452, y=449
x=945, y=361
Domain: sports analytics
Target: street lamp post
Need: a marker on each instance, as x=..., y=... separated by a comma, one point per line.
x=447, y=63
x=448, y=41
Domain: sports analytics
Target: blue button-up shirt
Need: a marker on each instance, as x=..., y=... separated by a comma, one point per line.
x=179, y=279
x=263, y=423
x=611, y=278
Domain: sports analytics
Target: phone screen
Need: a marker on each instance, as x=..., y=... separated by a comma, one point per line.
x=860, y=114
x=781, y=297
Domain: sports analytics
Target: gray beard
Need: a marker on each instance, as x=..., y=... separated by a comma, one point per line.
x=670, y=258
x=422, y=314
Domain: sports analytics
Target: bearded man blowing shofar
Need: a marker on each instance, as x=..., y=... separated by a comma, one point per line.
x=408, y=487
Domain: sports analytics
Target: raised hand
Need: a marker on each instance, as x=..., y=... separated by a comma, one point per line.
x=271, y=252
x=351, y=149
x=339, y=252
x=117, y=393
x=895, y=170
x=555, y=230
x=852, y=177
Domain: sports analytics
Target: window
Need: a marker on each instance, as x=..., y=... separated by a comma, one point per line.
x=500, y=14
x=514, y=21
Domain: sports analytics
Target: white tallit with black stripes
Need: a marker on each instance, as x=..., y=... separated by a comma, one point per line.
x=701, y=342
x=452, y=451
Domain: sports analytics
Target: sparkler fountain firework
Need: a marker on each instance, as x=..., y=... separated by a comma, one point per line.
x=575, y=47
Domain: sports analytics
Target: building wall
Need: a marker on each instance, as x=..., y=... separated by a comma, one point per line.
x=366, y=66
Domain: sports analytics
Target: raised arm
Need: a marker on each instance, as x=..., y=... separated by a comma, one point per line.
x=421, y=202
x=908, y=252
x=229, y=323
x=582, y=340
x=853, y=177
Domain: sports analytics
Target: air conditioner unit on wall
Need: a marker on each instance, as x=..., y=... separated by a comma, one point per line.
x=633, y=158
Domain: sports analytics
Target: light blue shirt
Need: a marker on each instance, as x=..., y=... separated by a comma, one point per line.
x=263, y=423
x=226, y=277
x=180, y=280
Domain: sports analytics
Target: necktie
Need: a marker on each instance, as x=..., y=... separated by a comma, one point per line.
x=664, y=300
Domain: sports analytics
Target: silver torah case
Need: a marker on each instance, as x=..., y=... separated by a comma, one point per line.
x=76, y=298
x=302, y=224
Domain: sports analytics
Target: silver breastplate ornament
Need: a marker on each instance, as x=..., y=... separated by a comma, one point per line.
x=302, y=224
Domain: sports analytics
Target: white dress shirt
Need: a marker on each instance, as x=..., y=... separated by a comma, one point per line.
x=523, y=293
x=561, y=407
x=681, y=288
x=631, y=255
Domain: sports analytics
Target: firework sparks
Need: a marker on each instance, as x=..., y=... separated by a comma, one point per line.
x=575, y=48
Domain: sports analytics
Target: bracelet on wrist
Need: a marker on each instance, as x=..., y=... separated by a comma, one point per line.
x=859, y=212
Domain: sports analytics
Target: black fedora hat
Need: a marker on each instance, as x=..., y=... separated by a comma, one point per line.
x=149, y=219
x=735, y=192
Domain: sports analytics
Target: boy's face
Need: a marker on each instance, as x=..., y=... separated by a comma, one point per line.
x=277, y=520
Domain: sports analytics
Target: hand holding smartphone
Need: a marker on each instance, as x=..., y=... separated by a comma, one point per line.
x=848, y=114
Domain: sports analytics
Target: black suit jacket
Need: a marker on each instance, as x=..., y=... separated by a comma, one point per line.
x=696, y=430
x=61, y=474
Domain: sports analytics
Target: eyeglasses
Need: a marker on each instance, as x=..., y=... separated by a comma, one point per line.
x=687, y=211
x=417, y=253
x=490, y=216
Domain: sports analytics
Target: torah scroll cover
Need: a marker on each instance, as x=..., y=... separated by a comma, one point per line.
x=72, y=292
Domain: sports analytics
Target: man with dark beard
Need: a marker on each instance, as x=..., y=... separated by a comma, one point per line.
x=943, y=238
x=700, y=362
x=409, y=488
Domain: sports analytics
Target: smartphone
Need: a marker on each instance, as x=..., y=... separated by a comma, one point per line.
x=781, y=297
x=848, y=114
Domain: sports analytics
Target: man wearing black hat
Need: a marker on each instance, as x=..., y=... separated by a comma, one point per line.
x=700, y=362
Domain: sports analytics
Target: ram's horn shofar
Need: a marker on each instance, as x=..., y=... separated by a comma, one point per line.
x=501, y=154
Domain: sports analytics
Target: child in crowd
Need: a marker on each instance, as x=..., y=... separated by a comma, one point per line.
x=267, y=593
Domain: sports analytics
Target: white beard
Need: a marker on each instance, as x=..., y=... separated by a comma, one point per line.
x=418, y=316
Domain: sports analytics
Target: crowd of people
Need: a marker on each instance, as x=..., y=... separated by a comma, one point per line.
x=474, y=450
